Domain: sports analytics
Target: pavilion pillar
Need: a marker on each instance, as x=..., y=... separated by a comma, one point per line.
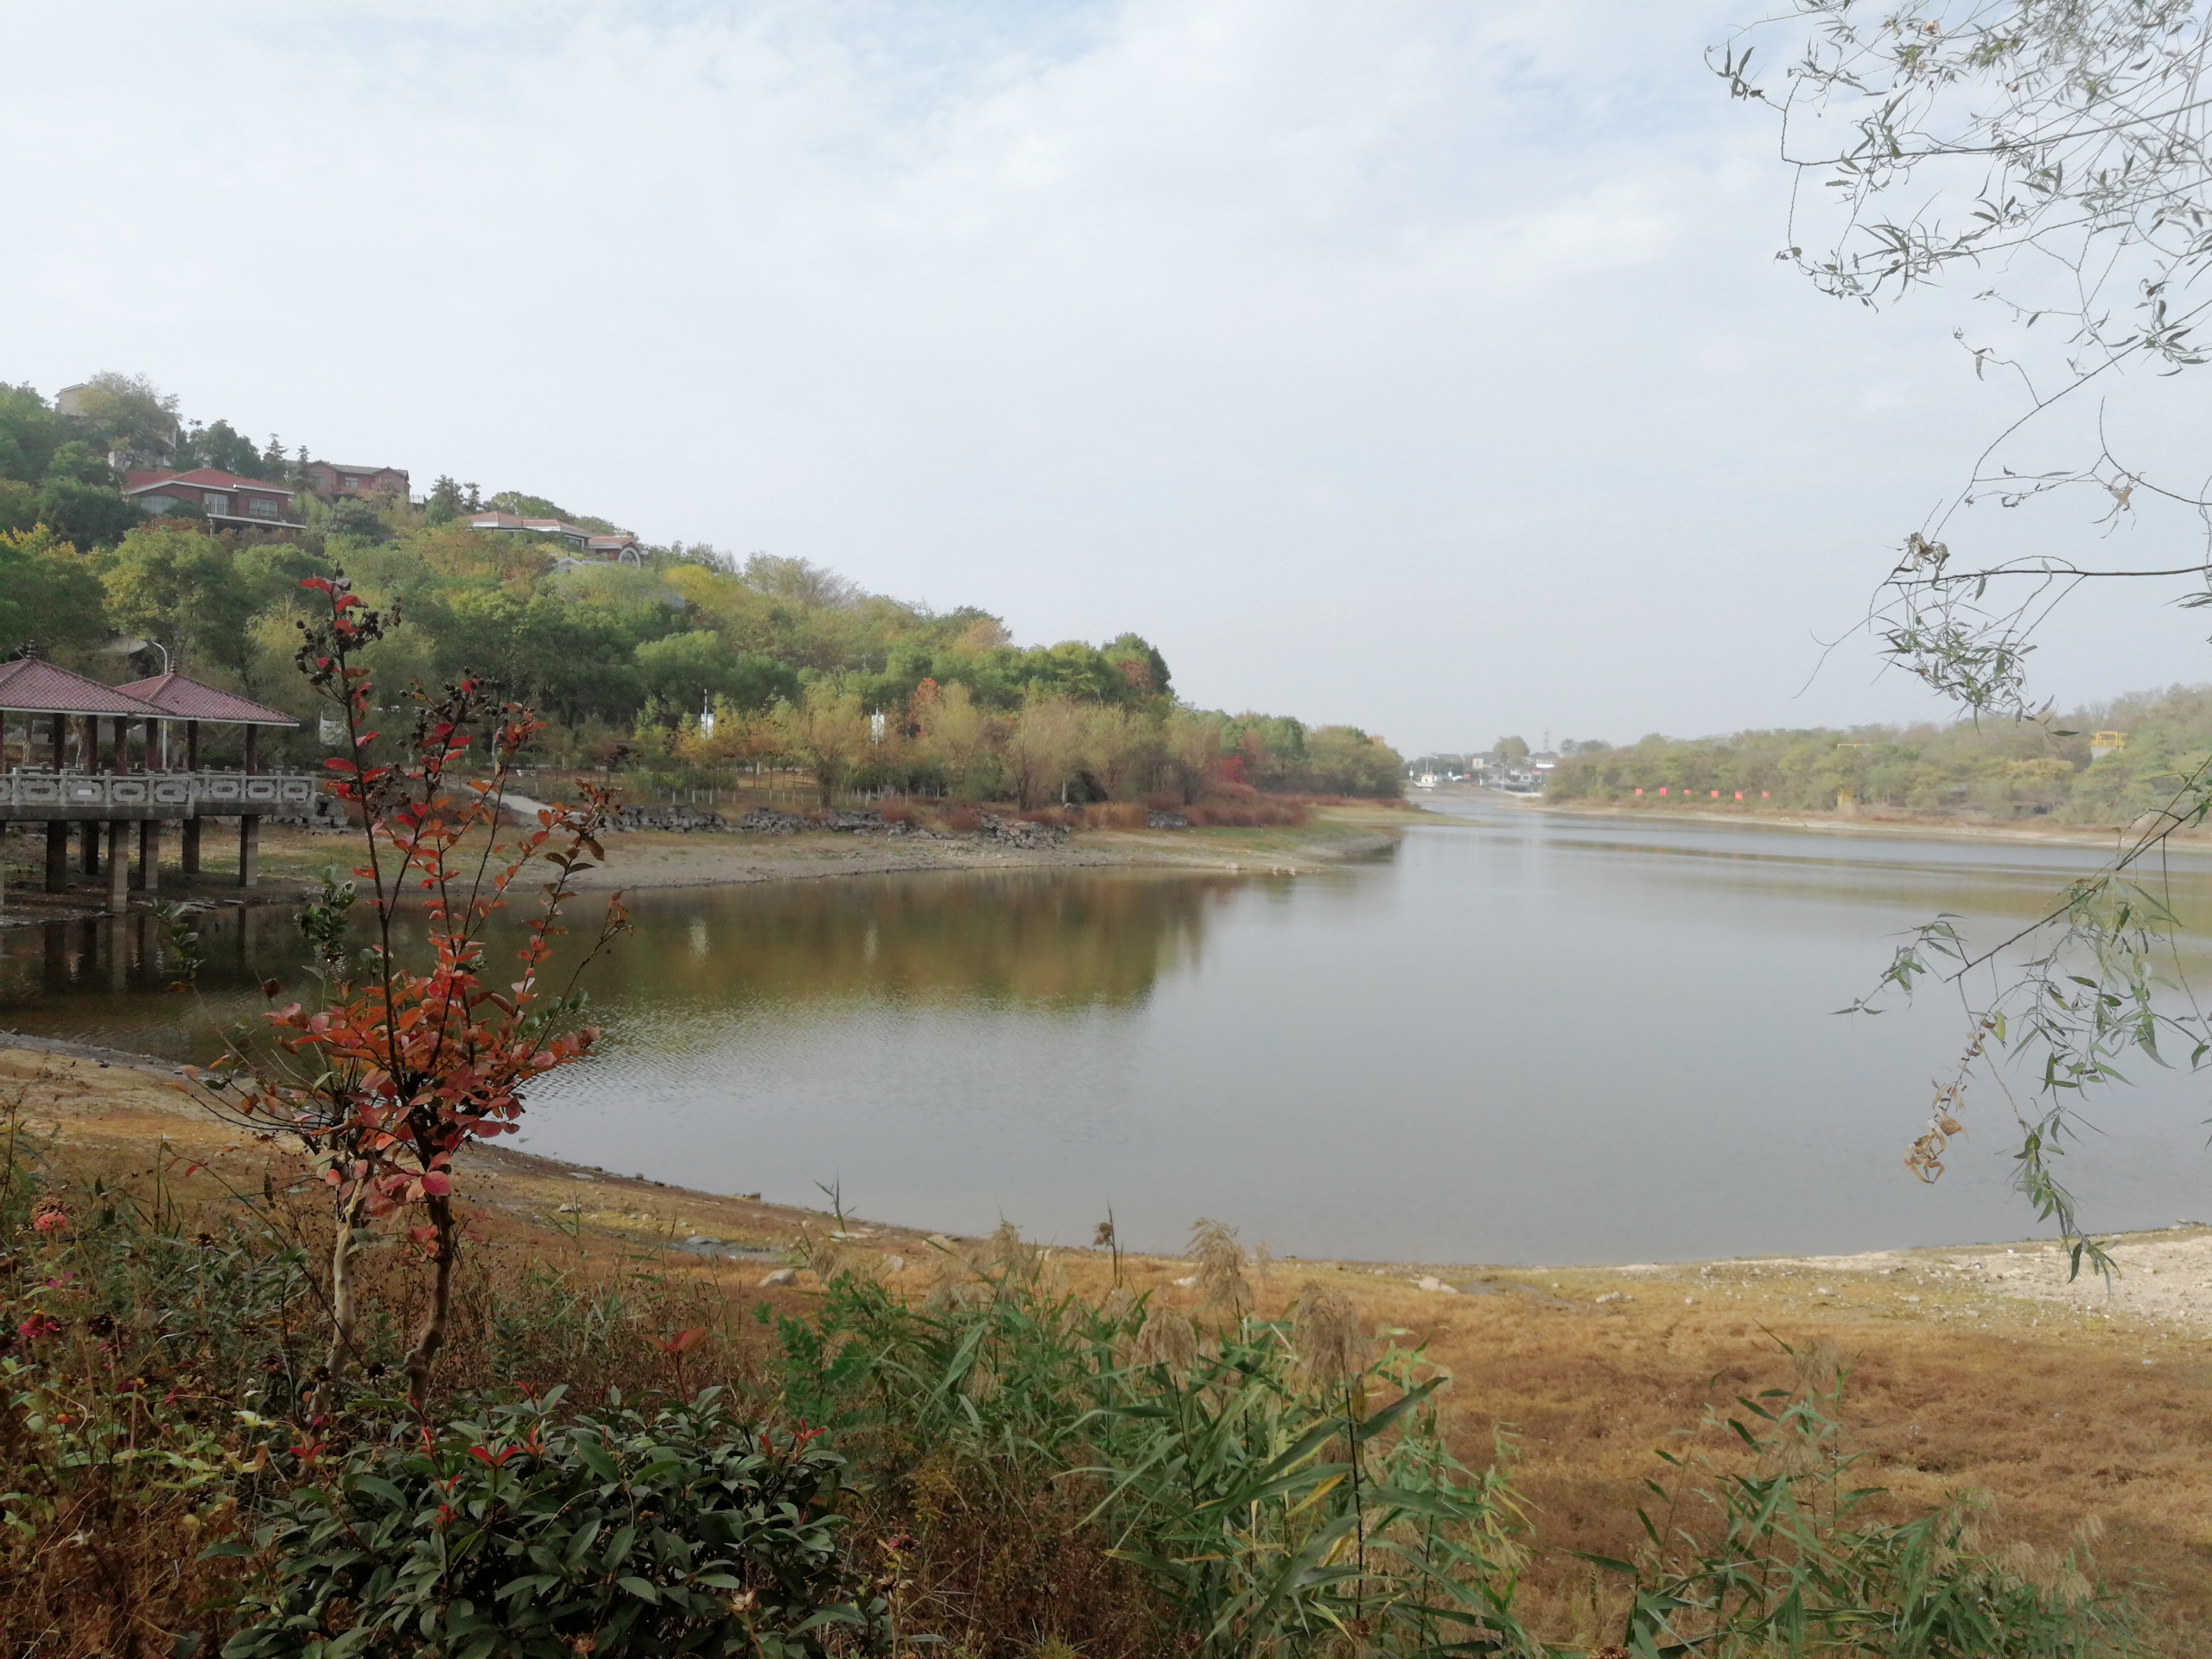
x=119, y=758
x=3, y=862
x=249, y=848
x=188, y=837
x=118, y=866
x=150, y=855
x=57, y=854
x=253, y=743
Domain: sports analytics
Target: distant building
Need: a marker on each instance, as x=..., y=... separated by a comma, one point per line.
x=332, y=482
x=229, y=501
x=621, y=547
x=157, y=448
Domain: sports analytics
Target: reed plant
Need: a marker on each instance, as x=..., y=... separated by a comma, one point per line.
x=1772, y=1552
x=1277, y=1490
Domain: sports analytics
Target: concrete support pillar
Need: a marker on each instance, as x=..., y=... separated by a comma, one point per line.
x=249, y=849
x=89, y=860
x=57, y=855
x=188, y=849
x=150, y=855
x=118, y=866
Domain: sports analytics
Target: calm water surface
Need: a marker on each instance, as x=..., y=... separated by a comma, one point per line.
x=1517, y=1038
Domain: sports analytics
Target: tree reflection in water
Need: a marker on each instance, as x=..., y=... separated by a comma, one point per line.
x=1018, y=938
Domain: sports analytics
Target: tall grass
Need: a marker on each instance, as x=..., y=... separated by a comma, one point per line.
x=1267, y=1500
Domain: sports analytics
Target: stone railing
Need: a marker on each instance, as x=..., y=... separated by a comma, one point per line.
x=211, y=794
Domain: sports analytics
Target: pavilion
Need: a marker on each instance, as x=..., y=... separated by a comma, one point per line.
x=56, y=769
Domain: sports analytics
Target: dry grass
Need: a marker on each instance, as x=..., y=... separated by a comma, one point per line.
x=2048, y=1407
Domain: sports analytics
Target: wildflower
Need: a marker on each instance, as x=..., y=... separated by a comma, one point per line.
x=51, y=1218
x=38, y=1327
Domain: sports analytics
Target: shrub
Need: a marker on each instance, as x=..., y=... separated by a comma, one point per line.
x=1117, y=815
x=1240, y=806
x=516, y=1534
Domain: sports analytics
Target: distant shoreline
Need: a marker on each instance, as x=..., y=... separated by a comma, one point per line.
x=1881, y=822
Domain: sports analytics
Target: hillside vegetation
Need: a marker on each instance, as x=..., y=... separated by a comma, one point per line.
x=689, y=667
x=1996, y=770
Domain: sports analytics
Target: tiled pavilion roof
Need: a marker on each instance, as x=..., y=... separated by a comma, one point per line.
x=28, y=685
x=175, y=697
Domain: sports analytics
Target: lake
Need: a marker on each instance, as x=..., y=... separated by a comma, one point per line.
x=1519, y=1038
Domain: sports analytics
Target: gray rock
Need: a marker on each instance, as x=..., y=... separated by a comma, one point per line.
x=780, y=1276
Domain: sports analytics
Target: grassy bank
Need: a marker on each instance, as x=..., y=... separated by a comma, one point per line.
x=183, y=1300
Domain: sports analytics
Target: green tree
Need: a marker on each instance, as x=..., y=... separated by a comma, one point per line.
x=30, y=431
x=224, y=448
x=18, y=505
x=82, y=463
x=1142, y=666
x=49, y=596
x=1511, y=750
x=90, y=515
x=184, y=588
x=127, y=413
x=446, y=502
x=355, y=520
x=824, y=730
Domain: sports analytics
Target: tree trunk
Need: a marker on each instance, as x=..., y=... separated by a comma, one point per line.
x=343, y=1311
x=432, y=1336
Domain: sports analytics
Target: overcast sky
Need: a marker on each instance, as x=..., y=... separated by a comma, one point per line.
x=1423, y=365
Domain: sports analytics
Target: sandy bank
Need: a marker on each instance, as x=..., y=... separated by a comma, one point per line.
x=292, y=859
x=651, y=858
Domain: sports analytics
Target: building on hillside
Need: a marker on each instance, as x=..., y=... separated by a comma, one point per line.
x=229, y=501
x=153, y=451
x=332, y=481
x=621, y=547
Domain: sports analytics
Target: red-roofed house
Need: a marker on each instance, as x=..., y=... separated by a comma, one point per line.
x=332, y=481
x=229, y=501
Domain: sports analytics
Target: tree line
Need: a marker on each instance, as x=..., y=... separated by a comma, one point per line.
x=2005, y=769
x=689, y=665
